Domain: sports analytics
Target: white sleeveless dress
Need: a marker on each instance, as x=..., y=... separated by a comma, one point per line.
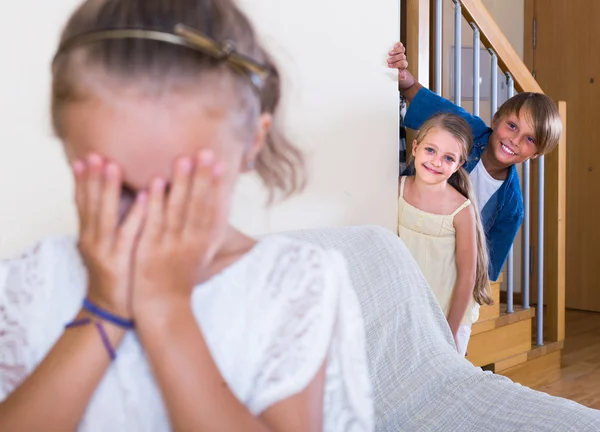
x=270, y=320
x=431, y=240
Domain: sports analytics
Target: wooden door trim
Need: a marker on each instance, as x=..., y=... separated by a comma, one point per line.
x=529, y=15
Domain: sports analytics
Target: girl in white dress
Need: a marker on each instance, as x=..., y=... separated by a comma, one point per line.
x=439, y=225
x=160, y=315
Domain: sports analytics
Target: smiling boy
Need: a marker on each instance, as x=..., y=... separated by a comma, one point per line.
x=525, y=127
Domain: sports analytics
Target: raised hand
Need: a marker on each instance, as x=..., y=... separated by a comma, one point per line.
x=397, y=60
x=106, y=245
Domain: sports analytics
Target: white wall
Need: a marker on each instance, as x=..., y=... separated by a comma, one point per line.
x=341, y=108
x=510, y=17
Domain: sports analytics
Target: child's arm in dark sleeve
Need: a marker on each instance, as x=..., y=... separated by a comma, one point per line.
x=426, y=103
x=422, y=102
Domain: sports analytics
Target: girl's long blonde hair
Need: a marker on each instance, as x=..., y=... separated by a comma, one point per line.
x=460, y=130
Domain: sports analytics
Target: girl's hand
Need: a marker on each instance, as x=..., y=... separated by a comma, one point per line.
x=106, y=247
x=181, y=235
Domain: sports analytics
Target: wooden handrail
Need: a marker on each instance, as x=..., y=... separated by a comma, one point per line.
x=492, y=37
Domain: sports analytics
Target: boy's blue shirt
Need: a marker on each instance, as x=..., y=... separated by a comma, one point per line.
x=503, y=214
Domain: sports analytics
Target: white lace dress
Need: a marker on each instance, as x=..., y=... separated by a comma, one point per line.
x=270, y=320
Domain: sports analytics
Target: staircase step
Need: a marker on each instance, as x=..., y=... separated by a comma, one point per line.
x=547, y=348
x=493, y=310
x=504, y=319
x=505, y=337
x=537, y=372
x=502, y=338
x=534, y=353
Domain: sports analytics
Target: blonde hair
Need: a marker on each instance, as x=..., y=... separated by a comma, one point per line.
x=460, y=130
x=544, y=115
x=279, y=163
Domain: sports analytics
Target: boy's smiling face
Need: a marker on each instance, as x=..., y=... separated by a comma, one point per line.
x=513, y=139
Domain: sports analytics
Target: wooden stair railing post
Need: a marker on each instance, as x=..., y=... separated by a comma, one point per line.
x=555, y=235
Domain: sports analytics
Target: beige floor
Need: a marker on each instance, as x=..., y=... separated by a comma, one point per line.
x=581, y=360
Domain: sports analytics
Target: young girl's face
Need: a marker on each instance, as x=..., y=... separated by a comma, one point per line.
x=437, y=157
x=145, y=134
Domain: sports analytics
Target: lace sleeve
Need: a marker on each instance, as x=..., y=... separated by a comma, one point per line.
x=40, y=291
x=317, y=319
x=18, y=279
